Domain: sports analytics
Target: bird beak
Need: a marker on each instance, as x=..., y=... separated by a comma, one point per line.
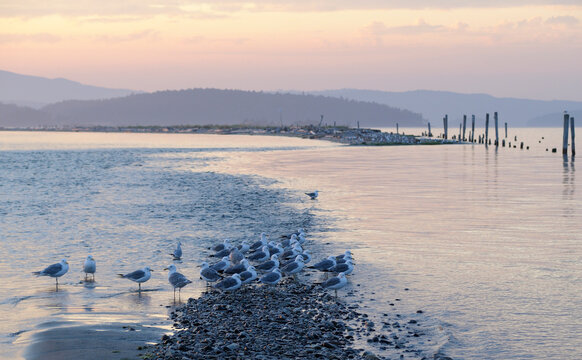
x=166, y=269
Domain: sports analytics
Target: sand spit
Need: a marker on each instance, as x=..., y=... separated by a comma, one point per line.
x=293, y=320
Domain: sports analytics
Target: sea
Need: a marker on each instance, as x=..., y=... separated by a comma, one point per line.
x=476, y=248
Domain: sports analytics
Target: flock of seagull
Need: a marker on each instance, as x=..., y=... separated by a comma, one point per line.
x=272, y=261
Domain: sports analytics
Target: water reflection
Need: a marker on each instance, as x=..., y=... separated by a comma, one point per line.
x=569, y=186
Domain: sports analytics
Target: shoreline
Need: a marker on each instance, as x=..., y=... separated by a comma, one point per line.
x=338, y=134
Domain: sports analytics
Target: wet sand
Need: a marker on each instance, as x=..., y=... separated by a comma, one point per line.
x=111, y=341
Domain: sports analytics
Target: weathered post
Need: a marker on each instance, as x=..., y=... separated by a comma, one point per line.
x=460, y=129
x=505, y=130
x=573, y=145
x=397, y=128
x=496, y=129
x=464, y=126
x=472, y=128
x=446, y=126
x=358, y=124
x=429, y=132
x=486, y=128
x=565, y=139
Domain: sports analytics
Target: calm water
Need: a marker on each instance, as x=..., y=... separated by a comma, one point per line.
x=486, y=241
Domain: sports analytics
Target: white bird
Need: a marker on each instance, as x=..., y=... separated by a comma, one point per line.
x=260, y=256
x=209, y=274
x=139, y=276
x=225, y=244
x=269, y=265
x=248, y=275
x=55, y=270
x=235, y=255
x=177, y=254
x=313, y=195
x=237, y=268
x=346, y=267
x=221, y=265
x=176, y=279
x=294, y=267
x=89, y=267
x=293, y=252
x=335, y=283
x=274, y=248
x=259, y=244
x=244, y=247
x=230, y=283
x=324, y=264
x=271, y=278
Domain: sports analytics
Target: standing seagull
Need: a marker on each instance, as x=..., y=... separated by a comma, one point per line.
x=336, y=282
x=89, y=267
x=313, y=195
x=55, y=270
x=177, y=254
x=209, y=274
x=176, y=279
x=138, y=276
x=271, y=278
x=248, y=275
x=230, y=283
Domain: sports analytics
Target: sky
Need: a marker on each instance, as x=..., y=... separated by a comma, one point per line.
x=506, y=48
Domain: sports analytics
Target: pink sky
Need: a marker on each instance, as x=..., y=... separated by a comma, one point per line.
x=516, y=48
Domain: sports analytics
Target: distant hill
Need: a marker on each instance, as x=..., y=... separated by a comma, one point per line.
x=35, y=92
x=23, y=117
x=220, y=107
x=555, y=119
x=433, y=105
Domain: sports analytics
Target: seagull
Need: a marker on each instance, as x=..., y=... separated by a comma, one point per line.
x=244, y=247
x=340, y=259
x=306, y=258
x=345, y=268
x=237, y=268
x=259, y=244
x=89, y=267
x=221, y=265
x=324, y=264
x=269, y=265
x=313, y=195
x=220, y=247
x=274, y=248
x=335, y=283
x=55, y=270
x=177, y=254
x=290, y=241
x=209, y=274
x=248, y=275
x=293, y=252
x=235, y=255
x=230, y=283
x=271, y=278
x=139, y=276
x=260, y=256
x=222, y=253
x=294, y=267
x=176, y=279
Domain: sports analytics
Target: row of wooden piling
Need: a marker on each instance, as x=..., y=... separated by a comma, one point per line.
x=484, y=139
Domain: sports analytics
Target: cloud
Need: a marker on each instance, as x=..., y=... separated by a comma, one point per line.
x=563, y=20
x=136, y=36
x=206, y=8
x=36, y=38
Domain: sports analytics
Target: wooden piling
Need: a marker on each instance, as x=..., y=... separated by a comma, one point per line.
x=446, y=126
x=573, y=145
x=429, y=132
x=506, y=130
x=358, y=124
x=486, y=128
x=496, y=129
x=472, y=128
x=565, y=138
x=397, y=128
x=464, y=126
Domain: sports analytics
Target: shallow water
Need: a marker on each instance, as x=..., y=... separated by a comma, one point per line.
x=486, y=241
